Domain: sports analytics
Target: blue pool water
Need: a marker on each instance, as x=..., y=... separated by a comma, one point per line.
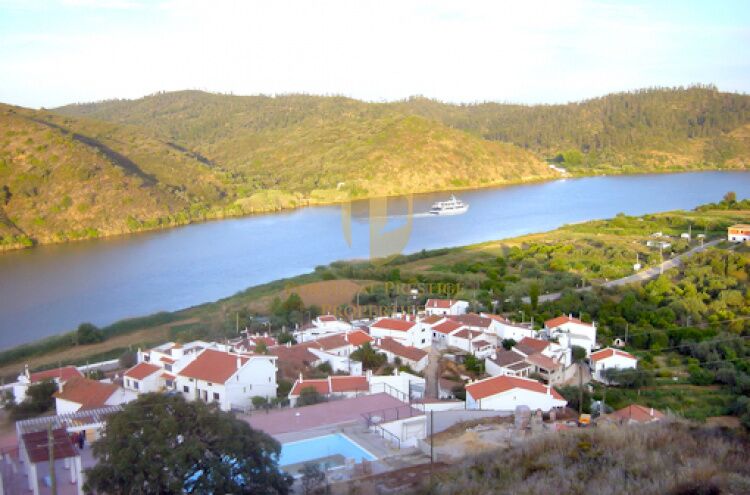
x=318, y=447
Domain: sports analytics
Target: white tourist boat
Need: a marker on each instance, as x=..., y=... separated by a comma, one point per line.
x=453, y=206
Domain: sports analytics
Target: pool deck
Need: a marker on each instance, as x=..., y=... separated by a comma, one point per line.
x=303, y=422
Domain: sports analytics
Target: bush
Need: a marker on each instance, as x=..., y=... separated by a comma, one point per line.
x=88, y=333
x=309, y=396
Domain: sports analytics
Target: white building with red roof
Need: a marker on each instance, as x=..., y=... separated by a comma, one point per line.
x=145, y=377
x=80, y=393
x=571, y=331
x=505, y=393
x=442, y=330
x=322, y=326
x=508, y=330
x=332, y=386
x=26, y=379
x=472, y=341
x=412, y=357
x=408, y=331
x=608, y=359
x=229, y=379
x=445, y=307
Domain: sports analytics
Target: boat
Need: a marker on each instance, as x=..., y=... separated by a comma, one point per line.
x=453, y=206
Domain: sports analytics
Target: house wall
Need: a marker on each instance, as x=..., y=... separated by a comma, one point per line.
x=617, y=362
x=63, y=406
x=408, y=430
x=513, y=332
x=510, y=399
x=339, y=362
x=151, y=383
x=417, y=336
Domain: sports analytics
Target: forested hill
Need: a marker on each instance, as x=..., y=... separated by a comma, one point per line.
x=645, y=130
x=190, y=156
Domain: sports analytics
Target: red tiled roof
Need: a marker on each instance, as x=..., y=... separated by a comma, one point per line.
x=499, y=318
x=332, y=384
x=499, y=384
x=37, y=445
x=269, y=341
x=542, y=361
x=440, y=303
x=64, y=373
x=327, y=318
x=636, y=412
x=447, y=327
x=332, y=342
x=609, y=352
x=320, y=385
x=358, y=338
x=142, y=370
x=556, y=322
x=467, y=334
x=408, y=352
x=349, y=383
x=168, y=376
x=168, y=360
x=527, y=345
x=89, y=393
x=481, y=343
x=213, y=366
x=472, y=320
x=299, y=353
x=432, y=319
x=394, y=324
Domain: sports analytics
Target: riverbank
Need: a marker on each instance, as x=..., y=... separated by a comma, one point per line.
x=604, y=249
x=276, y=201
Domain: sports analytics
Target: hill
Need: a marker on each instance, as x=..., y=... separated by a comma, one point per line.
x=672, y=458
x=195, y=159
x=173, y=158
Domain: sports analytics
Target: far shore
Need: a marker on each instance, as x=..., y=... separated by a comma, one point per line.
x=309, y=202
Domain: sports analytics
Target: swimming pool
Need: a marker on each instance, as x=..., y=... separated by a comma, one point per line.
x=327, y=446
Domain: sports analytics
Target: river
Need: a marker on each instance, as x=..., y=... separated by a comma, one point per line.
x=50, y=289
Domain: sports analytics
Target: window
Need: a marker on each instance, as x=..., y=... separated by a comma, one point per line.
x=146, y=358
x=135, y=384
x=191, y=380
x=186, y=389
x=169, y=383
x=216, y=396
x=269, y=379
x=210, y=384
x=168, y=367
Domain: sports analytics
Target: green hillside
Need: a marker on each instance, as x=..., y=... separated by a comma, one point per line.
x=197, y=156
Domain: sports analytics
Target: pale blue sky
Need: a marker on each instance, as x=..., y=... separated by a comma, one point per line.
x=54, y=52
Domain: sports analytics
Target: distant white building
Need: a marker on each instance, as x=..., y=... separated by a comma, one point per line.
x=320, y=327
x=508, y=330
x=445, y=307
x=146, y=377
x=406, y=331
x=739, y=233
x=505, y=393
x=333, y=386
x=610, y=358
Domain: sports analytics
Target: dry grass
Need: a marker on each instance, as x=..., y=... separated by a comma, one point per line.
x=656, y=459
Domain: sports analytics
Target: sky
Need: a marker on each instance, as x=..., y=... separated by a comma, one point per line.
x=54, y=52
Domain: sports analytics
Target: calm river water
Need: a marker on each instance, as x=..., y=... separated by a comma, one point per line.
x=50, y=289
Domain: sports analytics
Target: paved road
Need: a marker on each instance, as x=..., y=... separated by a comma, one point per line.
x=432, y=374
x=641, y=276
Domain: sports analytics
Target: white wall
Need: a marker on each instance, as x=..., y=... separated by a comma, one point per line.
x=616, y=362
x=408, y=430
x=510, y=399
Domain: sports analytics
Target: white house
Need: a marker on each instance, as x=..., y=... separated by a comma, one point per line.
x=505, y=393
x=471, y=341
x=26, y=379
x=320, y=327
x=145, y=377
x=528, y=346
x=508, y=330
x=610, y=358
x=230, y=379
x=343, y=344
x=79, y=393
x=442, y=331
x=333, y=386
x=571, y=331
x=337, y=362
x=413, y=357
x=511, y=363
x=445, y=307
x=408, y=332
x=739, y=233
x=172, y=357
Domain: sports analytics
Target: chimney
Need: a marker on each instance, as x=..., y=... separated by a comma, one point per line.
x=239, y=362
x=301, y=378
x=549, y=389
x=60, y=386
x=651, y=413
x=26, y=371
x=368, y=374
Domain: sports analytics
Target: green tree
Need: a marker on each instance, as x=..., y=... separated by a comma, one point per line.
x=573, y=395
x=313, y=479
x=164, y=444
x=286, y=337
x=128, y=359
x=261, y=348
x=369, y=358
x=309, y=396
x=730, y=197
x=534, y=295
x=259, y=402
x=508, y=344
x=38, y=401
x=88, y=333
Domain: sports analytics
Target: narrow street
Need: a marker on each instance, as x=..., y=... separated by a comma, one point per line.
x=432, y=374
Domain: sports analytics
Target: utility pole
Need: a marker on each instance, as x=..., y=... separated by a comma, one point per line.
x=580, y=390
x=51, y=447
x=237, y=323
x=432, y=456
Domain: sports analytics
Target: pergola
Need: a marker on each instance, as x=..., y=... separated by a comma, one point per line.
x=34, y=441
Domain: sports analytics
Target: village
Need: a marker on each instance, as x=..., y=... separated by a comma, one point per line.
x=367, y=397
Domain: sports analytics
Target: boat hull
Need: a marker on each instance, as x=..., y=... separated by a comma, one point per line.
x=456, y=211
